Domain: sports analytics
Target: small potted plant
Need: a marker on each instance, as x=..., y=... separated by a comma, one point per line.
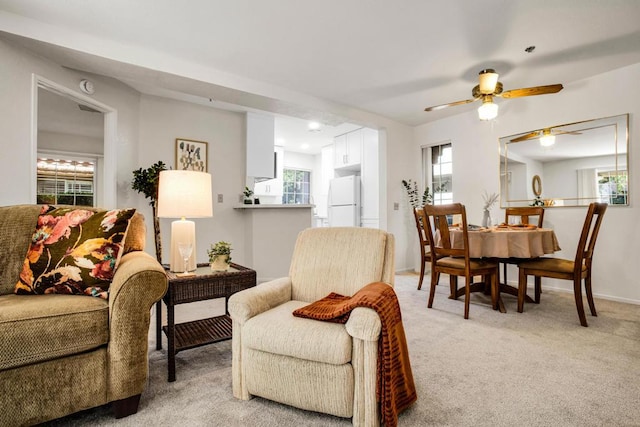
x=220, y=256
x=247, y=196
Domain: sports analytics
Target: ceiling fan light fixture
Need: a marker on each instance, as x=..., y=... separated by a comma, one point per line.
x=547, y=140
x=488, y=81
x=488, y=110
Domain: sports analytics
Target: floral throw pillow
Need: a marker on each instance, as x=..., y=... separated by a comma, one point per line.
x=74, y=251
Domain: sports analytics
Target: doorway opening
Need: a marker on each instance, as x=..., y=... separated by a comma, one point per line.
x=71, y=144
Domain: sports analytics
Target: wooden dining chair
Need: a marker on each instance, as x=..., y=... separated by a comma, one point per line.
x=577, y=270
x=425, y=249
x=523, y=214
x=452, y=261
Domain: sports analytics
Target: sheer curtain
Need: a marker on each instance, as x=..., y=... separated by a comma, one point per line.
x=587, y=185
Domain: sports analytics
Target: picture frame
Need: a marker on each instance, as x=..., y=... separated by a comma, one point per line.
x=191, y=155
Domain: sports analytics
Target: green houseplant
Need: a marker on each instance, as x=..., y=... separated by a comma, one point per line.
x=220, y=256
x=247, y=196
x=145, y=181
x=412, y=192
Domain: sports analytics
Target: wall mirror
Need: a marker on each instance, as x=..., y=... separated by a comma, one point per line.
x=572, y=164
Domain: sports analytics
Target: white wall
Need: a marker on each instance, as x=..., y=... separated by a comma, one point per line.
x=476, y=168
x=563, y=174
x=293, y=160
x=18, y=67
x=396, y=145
x=140, y=145
x=66, y=142
x=162, y=121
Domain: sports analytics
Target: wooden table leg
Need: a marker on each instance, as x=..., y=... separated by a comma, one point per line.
x=508, y=289
x=501, y=306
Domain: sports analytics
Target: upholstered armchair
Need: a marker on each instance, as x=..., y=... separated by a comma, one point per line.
x=313, y=365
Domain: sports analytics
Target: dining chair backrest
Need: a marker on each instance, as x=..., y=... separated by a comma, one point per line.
x=420, y=217
x=425, y=248
x=590, y=229
x=437, y=221
x=524, y=212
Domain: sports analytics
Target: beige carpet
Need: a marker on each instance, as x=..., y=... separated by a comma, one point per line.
x=537, y=368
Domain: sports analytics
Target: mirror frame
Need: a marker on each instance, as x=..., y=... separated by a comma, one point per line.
x=536, y=185
x=620, y=151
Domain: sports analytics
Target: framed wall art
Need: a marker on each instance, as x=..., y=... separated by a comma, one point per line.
x=191, y=155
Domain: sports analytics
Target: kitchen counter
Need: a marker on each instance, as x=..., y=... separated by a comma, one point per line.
x=272, y=206
x=271, y=233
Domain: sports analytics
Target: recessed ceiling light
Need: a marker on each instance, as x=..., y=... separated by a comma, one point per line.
x=314, y=126
x=304, y=146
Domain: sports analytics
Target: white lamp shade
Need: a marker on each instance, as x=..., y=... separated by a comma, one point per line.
x=488, y=111
x=184, y=194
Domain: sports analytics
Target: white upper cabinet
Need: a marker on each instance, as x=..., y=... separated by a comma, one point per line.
x=357, y=153
x=354, y=147
x=272, y=187
x=348, y=150
x=339, y=150
x=260, y=145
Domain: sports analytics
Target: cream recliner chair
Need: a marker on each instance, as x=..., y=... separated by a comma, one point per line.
x=314, y=365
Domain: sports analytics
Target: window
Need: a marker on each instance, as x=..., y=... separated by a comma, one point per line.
x=296, y=187
x=612, y=186
x=65, y=181
x=442, y=174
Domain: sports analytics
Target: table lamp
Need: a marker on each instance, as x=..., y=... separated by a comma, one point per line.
x=183, y=194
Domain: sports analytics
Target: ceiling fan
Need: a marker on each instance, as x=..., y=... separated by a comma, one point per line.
x=488, y=87
x=547, y=136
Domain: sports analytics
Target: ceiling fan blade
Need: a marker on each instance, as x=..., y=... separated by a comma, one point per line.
x=570, y=132
x=530, y=135
x=530, y=91
x=451, y=104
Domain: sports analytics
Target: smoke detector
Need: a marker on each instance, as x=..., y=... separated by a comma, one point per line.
x=86, y=86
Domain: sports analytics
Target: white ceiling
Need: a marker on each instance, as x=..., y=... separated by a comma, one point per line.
x=330, y=60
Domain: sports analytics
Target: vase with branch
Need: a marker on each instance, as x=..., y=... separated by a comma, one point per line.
x=489, y=201
x=145, y=181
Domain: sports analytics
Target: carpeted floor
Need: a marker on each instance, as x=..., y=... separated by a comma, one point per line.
x=537, y=368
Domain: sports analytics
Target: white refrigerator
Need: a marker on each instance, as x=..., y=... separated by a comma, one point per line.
x=344, y=201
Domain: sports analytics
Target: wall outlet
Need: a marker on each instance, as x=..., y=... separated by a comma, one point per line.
x=396, y=206
x=220, y=198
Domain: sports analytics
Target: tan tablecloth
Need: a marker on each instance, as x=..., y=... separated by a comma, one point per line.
x=508, y=243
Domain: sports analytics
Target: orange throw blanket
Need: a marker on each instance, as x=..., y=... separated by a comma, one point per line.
x=395, y=389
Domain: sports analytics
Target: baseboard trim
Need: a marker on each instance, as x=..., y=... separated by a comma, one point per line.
x=595, y=295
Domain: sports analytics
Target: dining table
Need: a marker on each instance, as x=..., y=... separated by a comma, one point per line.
x=505, y=243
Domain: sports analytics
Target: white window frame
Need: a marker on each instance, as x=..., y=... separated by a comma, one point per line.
x=428, y=167
x=284, y=193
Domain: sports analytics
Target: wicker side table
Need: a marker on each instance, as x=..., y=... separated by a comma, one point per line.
x=204, y=285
